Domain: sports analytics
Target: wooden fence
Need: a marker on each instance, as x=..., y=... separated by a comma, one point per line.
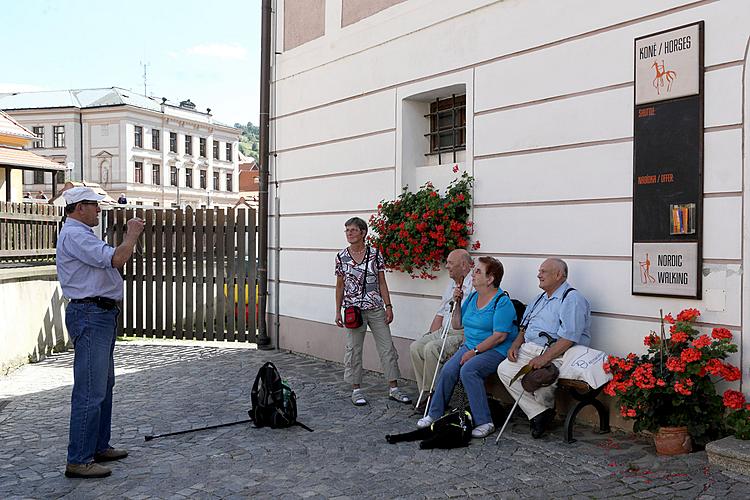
x=192, y=276
x=28, y=231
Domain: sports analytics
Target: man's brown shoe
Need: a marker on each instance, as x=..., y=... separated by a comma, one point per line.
x=109, y=455
x=86, y=471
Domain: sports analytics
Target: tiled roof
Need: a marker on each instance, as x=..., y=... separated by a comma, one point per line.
x=9, y=126
x=22, y=158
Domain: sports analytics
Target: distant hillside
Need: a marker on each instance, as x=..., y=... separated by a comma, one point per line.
x=249, y=139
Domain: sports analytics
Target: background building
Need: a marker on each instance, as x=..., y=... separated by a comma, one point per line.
x=155, y=152
x=543, y=99
x=14, y=161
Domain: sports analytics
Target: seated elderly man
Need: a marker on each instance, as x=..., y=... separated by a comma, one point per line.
x=560, y=311
x=426, y=350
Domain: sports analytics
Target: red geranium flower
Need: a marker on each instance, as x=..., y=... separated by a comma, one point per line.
x=679, y=337
x=688, y=315
x=702, y=341
x=683, y=387
x=651, y=340
x=730, y=373
x=734, y=400
x=721, y=333
x=675, y=365
x=689, y=355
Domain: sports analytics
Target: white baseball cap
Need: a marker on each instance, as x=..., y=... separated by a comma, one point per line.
x=77, y=194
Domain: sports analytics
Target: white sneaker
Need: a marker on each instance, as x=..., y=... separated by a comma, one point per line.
x=482, y=431
x=425, y=422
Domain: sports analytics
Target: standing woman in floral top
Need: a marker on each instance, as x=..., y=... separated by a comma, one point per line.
x=358, y=266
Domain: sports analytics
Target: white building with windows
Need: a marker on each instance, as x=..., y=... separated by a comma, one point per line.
x=535, y=99
x=156, y=152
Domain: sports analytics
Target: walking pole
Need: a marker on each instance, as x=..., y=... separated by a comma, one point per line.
x=440, y=357
x=443, y=335
x=156, y=436
x=523, y=371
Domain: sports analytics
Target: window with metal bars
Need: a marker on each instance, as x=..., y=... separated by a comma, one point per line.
x=447, y=134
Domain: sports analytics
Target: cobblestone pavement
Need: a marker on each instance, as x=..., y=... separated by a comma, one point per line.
x=165, y=388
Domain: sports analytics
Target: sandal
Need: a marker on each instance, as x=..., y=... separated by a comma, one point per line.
x=358, y=397
x=398, y=395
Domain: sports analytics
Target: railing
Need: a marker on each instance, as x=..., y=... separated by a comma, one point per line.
x=192, y=275
x=28, y=232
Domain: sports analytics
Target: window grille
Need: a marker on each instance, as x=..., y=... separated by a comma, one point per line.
x=447, y=126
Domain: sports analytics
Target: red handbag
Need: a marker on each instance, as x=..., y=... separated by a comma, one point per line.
x=352, y=317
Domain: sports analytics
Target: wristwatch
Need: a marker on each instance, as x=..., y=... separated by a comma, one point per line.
x=476, y=351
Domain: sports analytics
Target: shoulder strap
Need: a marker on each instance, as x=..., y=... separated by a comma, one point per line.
x=497, y=299
x=364, y=279
x=566, y=293
x=525, y=324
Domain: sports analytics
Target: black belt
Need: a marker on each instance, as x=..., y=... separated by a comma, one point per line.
x=103, y=302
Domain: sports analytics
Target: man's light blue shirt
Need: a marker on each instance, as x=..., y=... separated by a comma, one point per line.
x=569, y=319
x=84, y=264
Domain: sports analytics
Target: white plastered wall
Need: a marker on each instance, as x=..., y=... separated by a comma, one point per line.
x=550, y=147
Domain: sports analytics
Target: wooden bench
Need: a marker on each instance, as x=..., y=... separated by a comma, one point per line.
x=579, y=390
x=585, y=396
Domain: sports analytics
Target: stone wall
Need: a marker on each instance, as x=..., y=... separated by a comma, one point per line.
x=31, y=316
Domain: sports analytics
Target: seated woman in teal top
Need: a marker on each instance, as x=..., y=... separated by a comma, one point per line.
x=488, y=319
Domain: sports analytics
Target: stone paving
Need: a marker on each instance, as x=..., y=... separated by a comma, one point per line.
x=165, y=388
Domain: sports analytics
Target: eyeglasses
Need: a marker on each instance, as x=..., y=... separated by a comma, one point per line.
x=352, y=230
x=88, y=203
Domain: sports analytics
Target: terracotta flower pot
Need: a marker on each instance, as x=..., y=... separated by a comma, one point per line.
x=673, y=441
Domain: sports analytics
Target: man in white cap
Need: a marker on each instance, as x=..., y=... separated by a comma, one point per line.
x=88, y=272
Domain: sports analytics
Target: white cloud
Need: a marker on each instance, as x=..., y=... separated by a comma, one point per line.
x=219, y=50
x=7, y=88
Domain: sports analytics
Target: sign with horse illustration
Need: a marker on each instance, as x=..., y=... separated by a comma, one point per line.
x=668, y=163
x=668, y=64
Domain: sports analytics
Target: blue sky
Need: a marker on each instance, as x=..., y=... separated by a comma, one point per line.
x=208, y=52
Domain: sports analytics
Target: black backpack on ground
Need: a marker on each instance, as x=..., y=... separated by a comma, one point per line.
x=274, y=403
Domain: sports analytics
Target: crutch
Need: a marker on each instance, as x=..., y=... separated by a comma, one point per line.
x=439, y=360
x=443, y=335
x=523, y=371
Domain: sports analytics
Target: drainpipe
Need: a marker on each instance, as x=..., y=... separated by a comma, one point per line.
x=80, y=123
x=264, y=342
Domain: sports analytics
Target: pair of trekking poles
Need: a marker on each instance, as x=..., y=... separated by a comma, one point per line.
x=523, y=371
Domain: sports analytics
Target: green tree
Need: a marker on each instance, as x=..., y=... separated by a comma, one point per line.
x=249, y=139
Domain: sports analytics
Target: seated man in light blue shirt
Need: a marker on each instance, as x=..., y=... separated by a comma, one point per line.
x=564, y=314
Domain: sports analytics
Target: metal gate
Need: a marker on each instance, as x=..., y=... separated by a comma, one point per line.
x=192, y=275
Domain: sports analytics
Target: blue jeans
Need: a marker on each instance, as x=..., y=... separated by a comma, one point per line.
x=472, y=374
x=93, y=332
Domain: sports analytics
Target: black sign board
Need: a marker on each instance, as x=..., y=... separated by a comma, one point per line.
x=668, y=159
x=668, y=163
